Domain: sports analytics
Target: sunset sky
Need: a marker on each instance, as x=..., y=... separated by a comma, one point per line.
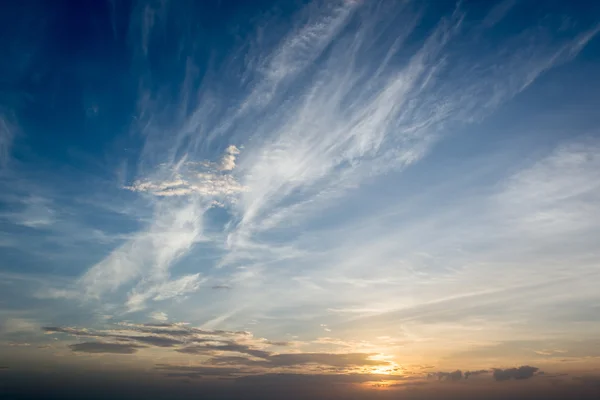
x=299, y=199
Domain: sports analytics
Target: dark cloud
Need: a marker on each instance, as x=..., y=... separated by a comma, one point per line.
x=231, y=346
x=270, y=360
x=523, y=372
x=457, y=375
x=152, y=340
x=158, y=335
x=101, y=347
x=475, y=373
x=187, y=340
x=240, y=348
x=133, y=330
x=67, y=330
x=221, y=287
x=282, y=344
x=3, y=367
x=158, y=325
x=175, y=329
x=447, y=376
x=157, y=341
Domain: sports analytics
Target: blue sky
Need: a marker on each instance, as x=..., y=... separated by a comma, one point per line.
x=400, y=189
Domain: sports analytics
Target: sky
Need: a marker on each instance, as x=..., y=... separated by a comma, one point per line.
x=304, y=199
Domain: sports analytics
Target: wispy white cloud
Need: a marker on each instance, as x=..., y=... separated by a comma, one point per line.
x=163, y=291
x=159, y=316
x=150, y=253
x=342, y=129
x=6, y=139
x=557, y=195
x=498, y=12
x=182, y=198
x=36, y=212
x=206, y=179
x=317, y=26
x=205, y=184
x=228, y=161
x=346, y=128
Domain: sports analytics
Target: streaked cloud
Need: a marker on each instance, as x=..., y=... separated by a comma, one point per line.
x=6, y=139
x=35, y=212
x=128, y=338
x=159, y=316
x=498, y=12
x=205, y=179
x=99, y=347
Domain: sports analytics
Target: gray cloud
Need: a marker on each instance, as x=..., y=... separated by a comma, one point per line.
x=294, y=359
x=458, y=375
x=475, y=373
x=282, y=343
x=178, y=328
x=152, y=340
x=101, y=347
x=67, y=330
x=201, y=342
x=187, y=340
x=6, y=139
x=155, y=334
x=447, y=376
x=233, y=347
x=523, y=372
x=221, y=287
